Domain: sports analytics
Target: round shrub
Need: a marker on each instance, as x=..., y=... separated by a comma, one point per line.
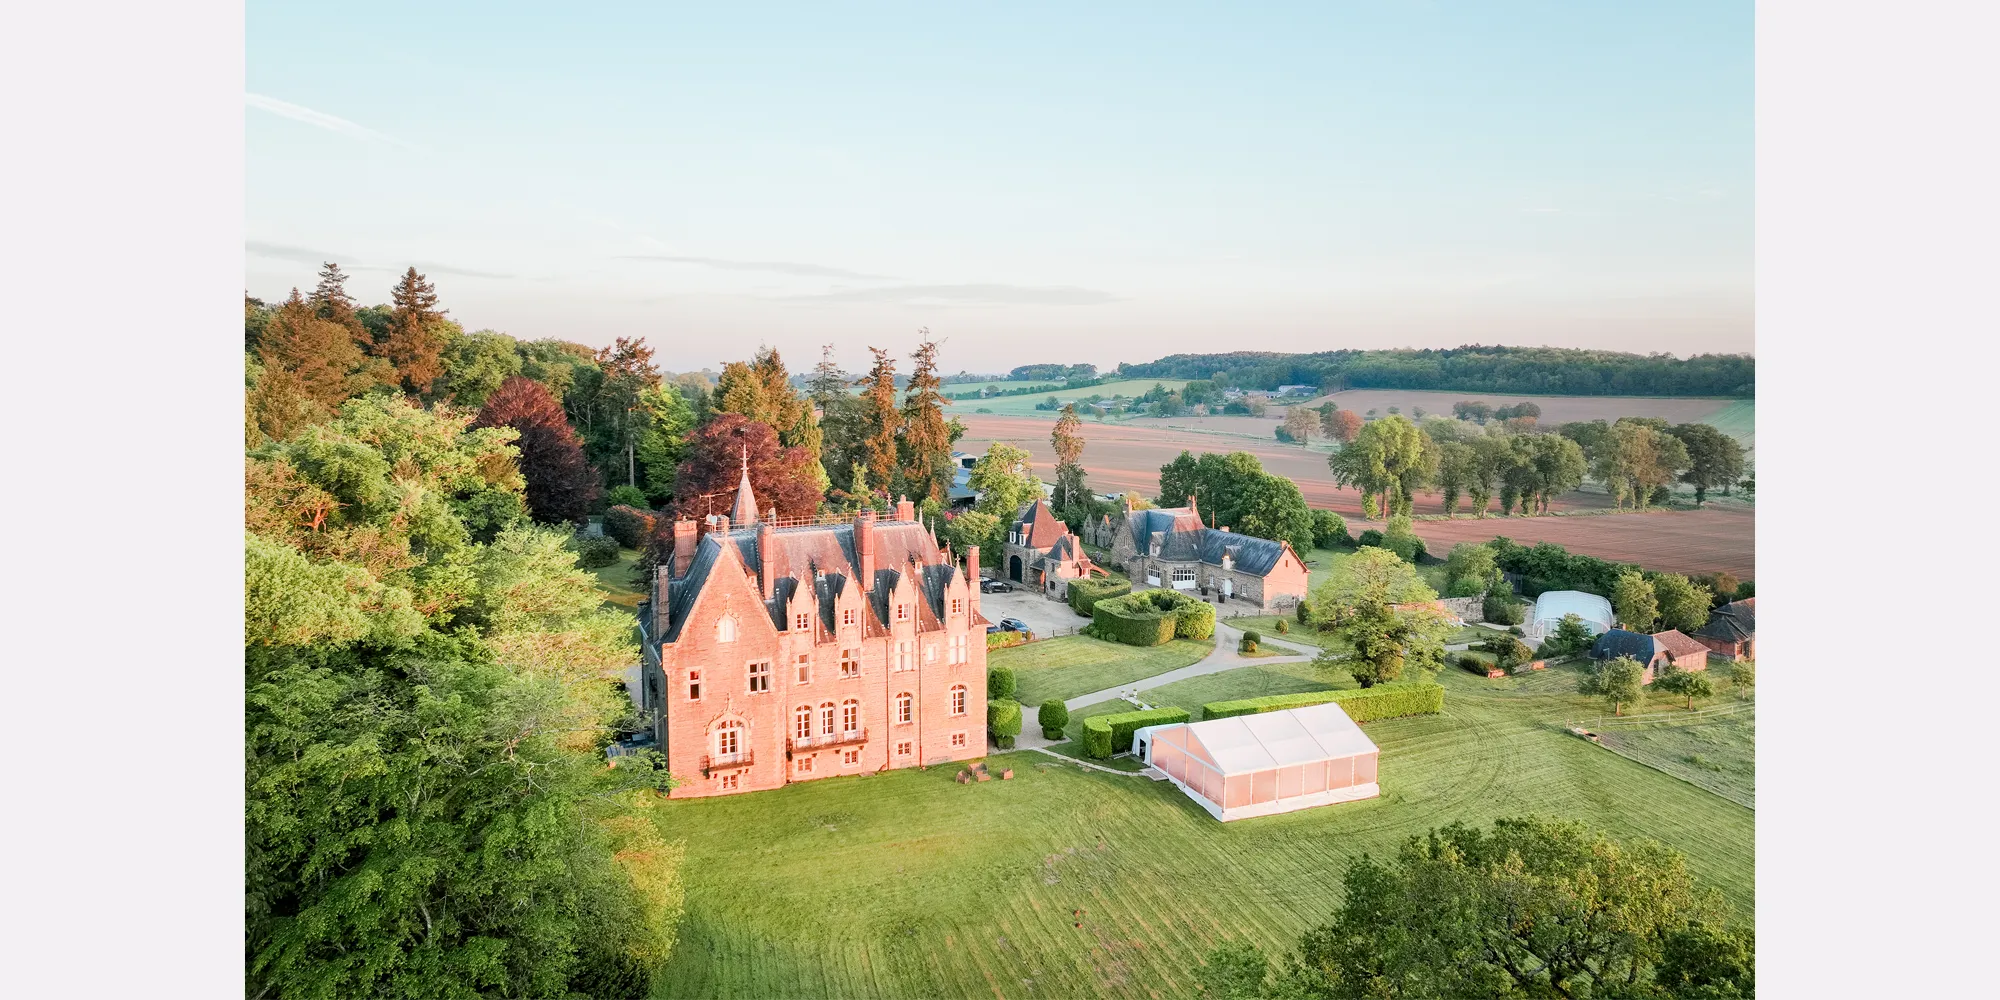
x=592, y=553
x=999, y=683
x=1369, y=537
x=1003, y=720
x=631, y=526
x=1284, y=626
x=1329, y=529
x=1195, y=620
x=1052, y=717
x=626, y=496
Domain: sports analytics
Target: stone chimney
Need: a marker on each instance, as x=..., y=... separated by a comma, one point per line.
x=767, y=558
x=972, y=576
x=662, y=615
x=686, y=533
x=905, y=510
x=864, y=549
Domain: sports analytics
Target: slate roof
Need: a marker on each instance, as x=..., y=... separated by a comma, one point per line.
x=1183, y=538
x=1619, y=642
x=1733, y=622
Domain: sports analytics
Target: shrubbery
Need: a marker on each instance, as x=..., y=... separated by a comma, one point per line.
x=1472, y=664
x=1152, y=617
x=1369, y=537
x=1548, y=566
x=1052, y=717
x=1001, y=640
x=1501, y=608
x=592, y=553
x=1003, y=720
x=1084, y=594
x=1363, y=705
x=1104, y=735
x=1284, y=626
x=1330, y=529
x=626, y=496
x=999, y=683
x=1248, y=644
x=631, y=526
x=1509, y=653
x=1195, y=620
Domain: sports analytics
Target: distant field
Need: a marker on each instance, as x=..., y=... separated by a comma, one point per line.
x=1555, y=409
x=1673, y=541
x=1025, y=405
x=955, y=388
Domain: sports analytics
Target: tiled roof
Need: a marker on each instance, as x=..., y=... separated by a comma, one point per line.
x=1040, y=526
x=1183, y=538
x=799, y=553
x=1677, y=643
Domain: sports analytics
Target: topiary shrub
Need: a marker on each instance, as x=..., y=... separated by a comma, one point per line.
x=1248, y=644
x=999, y=683
x=1369, y=537
x=1305, y=612
x=1003, y=720
x=631, y=526
x=1053, y=717
x=1195, y=620
x=1284, y=627
x=1365, y=705
x=1501, y=608
x=1084, y=594
x=1104, y=735
x=592, y=553
x=1150, y=618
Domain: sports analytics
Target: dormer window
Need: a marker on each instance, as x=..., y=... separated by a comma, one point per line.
x=725, y=629
x=902, y=612
x=957, y=606
x=847, y=616
x=802, y=621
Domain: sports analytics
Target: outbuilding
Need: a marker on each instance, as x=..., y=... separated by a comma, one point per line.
x=1268, y=763
x=1552, y=606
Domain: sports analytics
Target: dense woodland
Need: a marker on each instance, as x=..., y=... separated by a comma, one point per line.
x=1552, y=371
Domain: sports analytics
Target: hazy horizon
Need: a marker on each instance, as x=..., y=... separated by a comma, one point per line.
x=1035, y=185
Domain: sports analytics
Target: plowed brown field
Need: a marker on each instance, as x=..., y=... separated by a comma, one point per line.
x=1128, y=456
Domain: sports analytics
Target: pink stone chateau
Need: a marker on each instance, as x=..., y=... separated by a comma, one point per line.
x=781, y=654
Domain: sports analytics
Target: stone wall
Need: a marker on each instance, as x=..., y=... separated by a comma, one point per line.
x=1468, y=608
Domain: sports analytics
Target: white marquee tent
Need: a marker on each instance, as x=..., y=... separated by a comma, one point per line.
x=1272, y=762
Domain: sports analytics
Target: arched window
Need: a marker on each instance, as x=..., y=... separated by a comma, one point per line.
x=725, y=629
x=905, y=707
x=958, y=699
x=729, y=740
x=802, y=722
x=850, y=716
x=826, y=718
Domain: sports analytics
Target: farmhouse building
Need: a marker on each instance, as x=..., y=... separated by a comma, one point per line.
x=1657, y=651
x=1272, y=762
x=778, y=653
x=1041, y=552
x=1170, y=547
x=1731, y=631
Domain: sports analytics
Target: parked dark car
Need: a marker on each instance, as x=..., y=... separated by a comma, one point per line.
x=990, y=629
x=995, y=587
x=1014, y=625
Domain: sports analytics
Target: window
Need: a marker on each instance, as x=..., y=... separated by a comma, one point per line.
x=694, y=685
x=805, y=665
x=905, y=708
x=851, y=757
x=903, y=749
x=930, y=652
x=760, y=677
x=802, y=722
x=906, y=655
x=958, y=739
x=958, y=699
x=847, y=616
x=850, y=716
x=958, y=605
x=826, y=719
x=725, y=629
x=850, y=662
x=802, y=621
x=1184, y=574
x=902, y=612
x=805, y=765
x=729, y=741
x=727, y=782
x=958, y=650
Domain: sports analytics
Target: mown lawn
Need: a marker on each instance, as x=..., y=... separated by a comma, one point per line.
x=1077, y=664
x=906, y=884
x=616, y=581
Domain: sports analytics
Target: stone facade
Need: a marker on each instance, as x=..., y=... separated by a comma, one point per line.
x=1172, y=548
x=773, y=655
x=1041, y=553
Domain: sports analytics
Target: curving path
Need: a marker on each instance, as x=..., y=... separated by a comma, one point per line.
x=1223, y=657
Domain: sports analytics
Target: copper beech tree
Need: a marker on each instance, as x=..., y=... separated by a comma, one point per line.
x=717, y=455
x=561, y=484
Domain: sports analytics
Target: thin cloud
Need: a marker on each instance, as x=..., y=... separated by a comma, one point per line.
x=975, y=294
x=771, y=266
x=318, y=119
x=306, y=255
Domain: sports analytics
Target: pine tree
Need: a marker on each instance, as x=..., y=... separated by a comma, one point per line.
x=881, y=418
x=828, y=382
x=926, y=438
x=1067, y=439
x=415, y=344
x=330, y=301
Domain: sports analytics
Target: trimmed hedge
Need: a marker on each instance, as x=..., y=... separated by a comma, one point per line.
x=1003, y=720
x=1001, y=640
x=630, y=525
x=1054, y=715
x=1084, y=594
x=593, y=553
x=1104, y=735
x=1000, y=683
x=1195, y=621
x=1152, y=617
x=1363, y=705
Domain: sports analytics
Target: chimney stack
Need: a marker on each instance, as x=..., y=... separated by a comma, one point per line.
x=686, y=532
x=864, y=548
x=767, y=557
x=905, y=510
x=972, y=575
x=662, y=616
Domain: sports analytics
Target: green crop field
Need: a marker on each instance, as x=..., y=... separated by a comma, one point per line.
x=1024, y=406
x=1738, y=420
x=1071, y=883
x=1077, y=664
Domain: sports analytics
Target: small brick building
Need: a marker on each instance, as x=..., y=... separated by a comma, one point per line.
x=1041, y=552
x=1170, y=547
x=1661, y=649
x=1731, y=632
x=778, y=654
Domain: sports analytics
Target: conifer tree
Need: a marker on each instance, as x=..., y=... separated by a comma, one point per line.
x=881, y=420
x=926, y=439
x=1067, y=439
x=415, y=344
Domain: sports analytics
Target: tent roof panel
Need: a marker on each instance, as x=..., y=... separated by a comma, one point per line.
x=1246, y=743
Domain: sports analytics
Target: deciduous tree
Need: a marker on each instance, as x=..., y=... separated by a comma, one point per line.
x=561, y=485
x=1618, y=681
x=1005, y=480
x=1683, y=604
x=1345, y=425
x=716, y=452
x=1634, y=602
x=1389, y=461
x=1689, y=684
x=1714, y=458
x=1301, y=424
x=1358, y=605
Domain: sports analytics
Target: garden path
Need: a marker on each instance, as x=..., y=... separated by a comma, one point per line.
x=1223, y=657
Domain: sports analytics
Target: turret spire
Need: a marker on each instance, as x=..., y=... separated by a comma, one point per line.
x=745, y=511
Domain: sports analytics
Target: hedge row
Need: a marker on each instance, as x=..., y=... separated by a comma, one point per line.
x=1001, y=640
x=630, y=525
x=1152, y=617
x=1363, y=705
x=1104, y=735
x=1084, y=594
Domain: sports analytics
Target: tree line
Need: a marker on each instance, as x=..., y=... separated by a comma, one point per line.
x=1554, y=371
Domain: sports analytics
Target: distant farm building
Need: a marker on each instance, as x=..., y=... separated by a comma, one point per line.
x=1265, y=764
x=1731, y=632
x=1654, y=652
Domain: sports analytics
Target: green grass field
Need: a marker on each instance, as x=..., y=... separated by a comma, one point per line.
x=1738, y=420
x=1714, y=749
x=1024, y=406
x=907, y=884
x=616, y=581
x=1077, y=664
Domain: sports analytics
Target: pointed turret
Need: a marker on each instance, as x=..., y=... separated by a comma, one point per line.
x=745, y=511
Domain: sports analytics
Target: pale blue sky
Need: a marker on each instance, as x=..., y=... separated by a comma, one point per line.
x=1033, y=183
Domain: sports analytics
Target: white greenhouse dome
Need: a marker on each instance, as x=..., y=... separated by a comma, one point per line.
x=1552, y=606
